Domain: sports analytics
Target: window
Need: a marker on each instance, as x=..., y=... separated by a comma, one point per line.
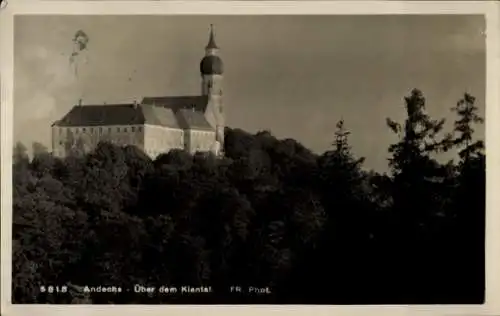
x=83, y=129
x=91, y=129
x=133, y=129
x=100, y=130
x=109, y=129
x=139, y=129
x=118, y=129
x=125, y=129
x=76, y=130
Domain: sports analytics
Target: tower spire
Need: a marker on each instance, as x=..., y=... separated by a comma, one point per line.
x=211, y=41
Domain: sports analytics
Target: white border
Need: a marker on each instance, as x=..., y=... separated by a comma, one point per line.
x=491, y=9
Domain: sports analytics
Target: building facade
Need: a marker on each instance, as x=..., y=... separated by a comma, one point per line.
x=155, y=124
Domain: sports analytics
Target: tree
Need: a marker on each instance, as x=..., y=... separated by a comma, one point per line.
x=42, y=162
x=20, y=155
x=417, y=135
x=316, y=228
x=39, y=149
x=467, y=112
x=467, y=205
x=415, y=176
x=341, y=135
x=414, y=171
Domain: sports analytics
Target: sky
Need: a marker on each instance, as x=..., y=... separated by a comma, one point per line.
x=293, y=75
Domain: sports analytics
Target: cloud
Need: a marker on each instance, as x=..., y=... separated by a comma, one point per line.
x=42, y=105
x=44, y=81
x=41, y=75
x=40, y=53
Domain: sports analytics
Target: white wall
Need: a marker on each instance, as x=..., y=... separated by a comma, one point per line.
x=153, y=140
x=120, y=135
x=200, y=140
x=159, y=140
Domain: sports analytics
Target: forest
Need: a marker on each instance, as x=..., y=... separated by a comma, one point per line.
x=313, y=228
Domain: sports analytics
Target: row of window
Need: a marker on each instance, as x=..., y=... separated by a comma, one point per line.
x=118, y=129
x=100, y=129
x=129, y=141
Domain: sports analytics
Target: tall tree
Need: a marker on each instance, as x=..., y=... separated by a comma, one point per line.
x=341, y=135
x=463, y=127
x=466, y=252
x=417, y=136
x=415, y=178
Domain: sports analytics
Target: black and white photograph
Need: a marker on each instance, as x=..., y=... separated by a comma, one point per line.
x=249, y=159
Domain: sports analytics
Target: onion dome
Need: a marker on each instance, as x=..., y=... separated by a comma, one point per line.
x=211, y=65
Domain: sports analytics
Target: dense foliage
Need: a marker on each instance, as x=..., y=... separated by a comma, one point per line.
x=313, y=228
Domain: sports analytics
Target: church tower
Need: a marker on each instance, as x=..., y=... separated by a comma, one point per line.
x=211, y=69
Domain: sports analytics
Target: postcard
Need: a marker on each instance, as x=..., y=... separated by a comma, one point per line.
x=249, y=157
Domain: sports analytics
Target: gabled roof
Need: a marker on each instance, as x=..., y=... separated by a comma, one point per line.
x=189, y=119
x=179, y=102
x=95, y=115
x=156, y=115
x=185, y=112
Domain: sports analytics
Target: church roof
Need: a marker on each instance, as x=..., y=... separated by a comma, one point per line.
x=179, y=102
x=173, y=112
x=96, y=115
x=155, y=115
x=192, y=119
